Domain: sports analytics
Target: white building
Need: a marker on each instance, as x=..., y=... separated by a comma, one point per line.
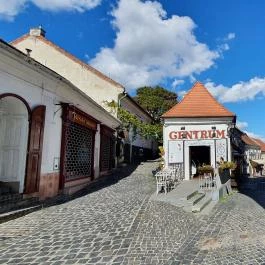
x=92, y=82
x=51, y=132
x=136, y=148
x=252, y=153
x=196, y=131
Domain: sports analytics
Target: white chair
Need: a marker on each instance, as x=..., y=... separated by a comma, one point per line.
x=162, y=180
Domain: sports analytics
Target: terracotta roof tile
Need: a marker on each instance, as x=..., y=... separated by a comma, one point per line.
x=260, y=143
x=248, y=140
x=198, y=102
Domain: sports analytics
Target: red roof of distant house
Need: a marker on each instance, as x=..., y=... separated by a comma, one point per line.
x=248, y=140
x=198, y=102
x=260, y=143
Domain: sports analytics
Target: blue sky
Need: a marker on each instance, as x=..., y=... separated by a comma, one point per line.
x=167, y=42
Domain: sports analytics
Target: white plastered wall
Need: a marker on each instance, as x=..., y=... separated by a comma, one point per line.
x=90, y=83
x=39, y=88
x=192, y=124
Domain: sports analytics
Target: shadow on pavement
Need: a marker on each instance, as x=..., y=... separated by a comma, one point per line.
x=100, y=183
x=254, y=188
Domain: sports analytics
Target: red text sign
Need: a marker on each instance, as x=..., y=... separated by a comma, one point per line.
x=204, y=134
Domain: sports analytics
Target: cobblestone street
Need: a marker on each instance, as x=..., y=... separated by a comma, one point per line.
x=118, y=224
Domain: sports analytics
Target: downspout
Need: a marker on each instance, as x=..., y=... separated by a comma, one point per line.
x=119, y=104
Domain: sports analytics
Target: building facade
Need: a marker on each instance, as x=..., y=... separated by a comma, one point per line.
x=52, y=133
x=136, y=148
x=98, y=86
x=252, y=154
x=196, y=132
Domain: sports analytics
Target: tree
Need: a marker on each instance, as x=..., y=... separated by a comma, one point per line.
x=130, y=121
x=155, y=100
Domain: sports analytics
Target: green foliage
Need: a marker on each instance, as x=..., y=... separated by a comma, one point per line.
x=130, y=121
x=155, y=100
x=205, y=169
x=161, y=155
x=227, y=165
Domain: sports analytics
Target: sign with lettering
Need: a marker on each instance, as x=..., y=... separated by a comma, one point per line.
x=81, y=119
x=175, y=151
x=203, y=134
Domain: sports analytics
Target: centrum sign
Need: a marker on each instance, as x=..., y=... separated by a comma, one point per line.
x=203, y=134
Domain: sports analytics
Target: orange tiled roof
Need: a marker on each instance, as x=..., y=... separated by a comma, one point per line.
x=198, y=102
x=260, y=143
x=247, y=140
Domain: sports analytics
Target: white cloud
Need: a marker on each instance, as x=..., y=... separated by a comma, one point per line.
x=68, y=5
x=10, y=8
x=254, y=135
x=149, y=46
x=242, y=91
x=182, y=93
x=177, y=82
x=242, y=125
x=231, y=36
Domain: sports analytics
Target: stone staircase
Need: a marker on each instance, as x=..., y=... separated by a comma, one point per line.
x=187, y=196
x=197, y=201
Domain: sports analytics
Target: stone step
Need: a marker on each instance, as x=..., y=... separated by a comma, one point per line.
x=192, y=194
x=198, y=207
x=4, y=217
x=18, y=203
x=196, y=198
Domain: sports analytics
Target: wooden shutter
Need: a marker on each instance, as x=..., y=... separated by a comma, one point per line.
x=35, y=149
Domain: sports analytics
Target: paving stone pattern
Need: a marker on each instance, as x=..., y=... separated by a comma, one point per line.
x=118, y=224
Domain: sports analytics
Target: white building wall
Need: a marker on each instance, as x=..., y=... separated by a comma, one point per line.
x=139, y=141
x=98, y=88
x=175, y=125
x=38, y=88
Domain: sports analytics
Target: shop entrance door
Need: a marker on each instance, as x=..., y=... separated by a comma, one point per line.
x=14, y=128
x=199, y=155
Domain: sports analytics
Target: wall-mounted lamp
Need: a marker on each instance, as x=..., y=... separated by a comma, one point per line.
x=184, y=135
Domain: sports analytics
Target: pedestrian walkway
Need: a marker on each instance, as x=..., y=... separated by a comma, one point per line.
x=120, y=224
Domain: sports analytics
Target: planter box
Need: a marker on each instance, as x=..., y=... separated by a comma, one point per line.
x=224, y=175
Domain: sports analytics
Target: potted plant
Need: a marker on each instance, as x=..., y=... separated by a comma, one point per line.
x=225, y=169
x=205, y=169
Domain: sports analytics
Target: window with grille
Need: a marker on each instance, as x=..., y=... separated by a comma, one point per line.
x=78, y=152
x=107, y=155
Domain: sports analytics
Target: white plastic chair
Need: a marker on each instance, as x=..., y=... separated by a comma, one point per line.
x=162, y=180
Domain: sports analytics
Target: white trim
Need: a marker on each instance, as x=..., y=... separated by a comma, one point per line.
x=187, y=146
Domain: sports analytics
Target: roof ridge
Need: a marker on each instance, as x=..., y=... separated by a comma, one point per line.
x=69, y=55
x=191, y=106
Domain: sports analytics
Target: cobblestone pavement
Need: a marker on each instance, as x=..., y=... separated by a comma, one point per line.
x=118, y=224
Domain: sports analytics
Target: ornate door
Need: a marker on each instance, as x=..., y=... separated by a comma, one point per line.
x=35, y=149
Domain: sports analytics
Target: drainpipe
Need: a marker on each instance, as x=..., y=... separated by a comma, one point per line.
x=119, y=104
x=122, y=97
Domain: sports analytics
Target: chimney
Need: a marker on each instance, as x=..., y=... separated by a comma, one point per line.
x=37, y=32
